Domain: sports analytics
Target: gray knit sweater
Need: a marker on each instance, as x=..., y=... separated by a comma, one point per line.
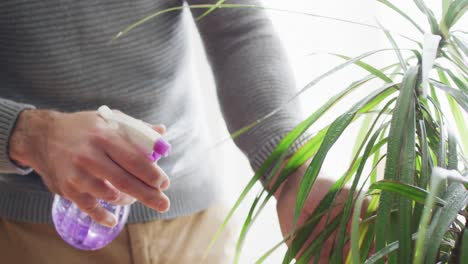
x=56, y=54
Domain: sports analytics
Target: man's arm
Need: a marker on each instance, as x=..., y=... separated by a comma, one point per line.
x=9, y=112
x=252, y=75
x=81, y=157
x=253, y=78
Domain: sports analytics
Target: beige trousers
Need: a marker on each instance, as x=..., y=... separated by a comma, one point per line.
x=180, y=240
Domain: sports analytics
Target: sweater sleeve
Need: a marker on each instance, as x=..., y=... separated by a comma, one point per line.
x=9, y=111
x=252, y=76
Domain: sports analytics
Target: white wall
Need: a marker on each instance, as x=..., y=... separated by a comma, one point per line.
x=303, y=35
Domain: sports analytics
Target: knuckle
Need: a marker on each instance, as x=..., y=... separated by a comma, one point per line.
x=74, y=180
x=81, y=159
x=88, y=205
x=98, y=135
x=123, y=183
x=111, y=195
x=67, y=191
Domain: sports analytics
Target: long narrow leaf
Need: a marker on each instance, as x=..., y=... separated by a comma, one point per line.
x=403, y=14
x=368, y=67
x=437, y=178
x=412, y=192
x=377, y=256
x=459, y=96
x=460, y=122
x=457, y=198
x=406, y=175
x=355, y=253
x=395, y=46
x=402, y=108
x=338, y=258
x=429, y=14
x=424, y=172
x=464, y=247
x=452, y=151
x=211, y=9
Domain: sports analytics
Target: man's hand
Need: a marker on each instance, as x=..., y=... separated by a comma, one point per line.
x=286, y=202
x=82, y=158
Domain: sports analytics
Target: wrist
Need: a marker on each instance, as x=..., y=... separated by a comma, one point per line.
x=30, y=128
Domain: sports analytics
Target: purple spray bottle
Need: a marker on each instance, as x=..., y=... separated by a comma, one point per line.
x=75, y=226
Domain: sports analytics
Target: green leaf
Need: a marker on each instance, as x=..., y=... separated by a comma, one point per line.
x=445, y=6
x=377, y=256
x=367, y=243
x=366, y=123
x=355, y=252
x=318, y=242
x=400, y=116
x=452, y=151
x=460, y=83
x=455, y=61
x=338, y=255
x=456, y=198
x=326, y=204
x=395, y=46
x=373, y=177
x=437, y=178
x=460, y=123
x=454, y=12
x=461, y=45
x=426, y=165
x=312, y=220
x=456, y=112
x=376, y=72
x=403, y=14
x=406, y=174
x=211, y=9
x=429, y=14
x=412, y=192
x=245, y=227
x=464, y=247
x=460, y=96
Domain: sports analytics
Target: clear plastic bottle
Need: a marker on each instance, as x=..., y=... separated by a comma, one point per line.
x=76, y=227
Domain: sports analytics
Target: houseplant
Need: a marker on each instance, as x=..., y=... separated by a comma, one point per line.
x=417, y=212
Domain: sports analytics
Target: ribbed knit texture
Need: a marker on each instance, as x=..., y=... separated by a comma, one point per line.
x=56, y=55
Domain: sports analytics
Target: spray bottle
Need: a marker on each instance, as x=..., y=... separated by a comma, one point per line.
x=76, y=227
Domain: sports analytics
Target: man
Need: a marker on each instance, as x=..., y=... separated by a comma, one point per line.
x=57, y=67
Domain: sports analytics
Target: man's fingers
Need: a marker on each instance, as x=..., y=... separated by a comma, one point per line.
x=90, y=205
x=98, y=188
x=129, y=184
x=130, y=158
x=104, y=190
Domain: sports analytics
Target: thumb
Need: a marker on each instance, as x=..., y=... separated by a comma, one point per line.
x=161, y=129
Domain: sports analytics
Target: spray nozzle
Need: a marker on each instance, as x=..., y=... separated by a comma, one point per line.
x=140, y=133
